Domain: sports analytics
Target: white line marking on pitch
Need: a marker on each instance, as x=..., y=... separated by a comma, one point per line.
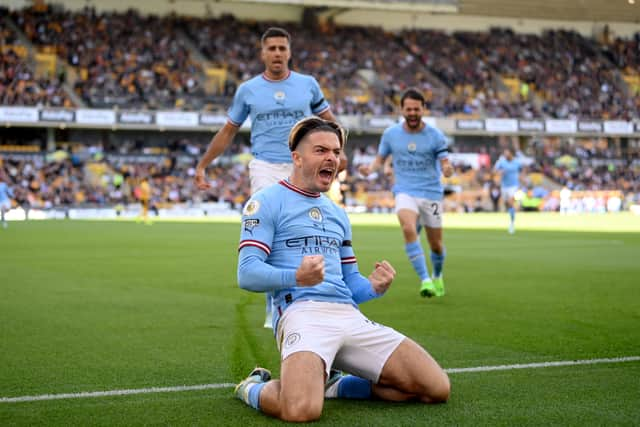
x=228, y=385
x=115, y=392
x=544, y=364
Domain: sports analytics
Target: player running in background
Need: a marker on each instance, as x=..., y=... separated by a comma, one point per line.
x=297, y=244
x=419, y=154
x=144, y=194
x=509, y=167
x=275, y=101
x=5, y=198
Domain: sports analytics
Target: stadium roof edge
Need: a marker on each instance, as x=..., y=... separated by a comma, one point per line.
x=428, y=6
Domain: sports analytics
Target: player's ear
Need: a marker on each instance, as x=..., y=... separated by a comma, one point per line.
x=297, y=158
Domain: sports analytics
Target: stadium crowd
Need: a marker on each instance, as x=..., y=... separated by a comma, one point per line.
x=102, y=176
x=122, y=59
x=18, y=82
x=133, y=61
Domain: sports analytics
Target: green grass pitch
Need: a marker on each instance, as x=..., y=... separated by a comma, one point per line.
x=96, y=306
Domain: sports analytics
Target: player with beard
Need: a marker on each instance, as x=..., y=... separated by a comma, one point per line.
x=419, y=154
x=274, y=100
x=297, y=244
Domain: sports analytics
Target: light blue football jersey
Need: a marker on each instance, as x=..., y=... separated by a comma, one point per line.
x=274, y=107
x=510, y=171
x=5, y=192
x=283, y=223
x=416, y=159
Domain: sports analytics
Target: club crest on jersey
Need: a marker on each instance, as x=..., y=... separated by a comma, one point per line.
x=251, y=208
x=279, y=96
x=412, y=147
x=315, y=214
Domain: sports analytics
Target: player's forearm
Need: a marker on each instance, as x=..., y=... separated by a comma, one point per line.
x=328, y=115
x=257, y=276
x=218, y=144
x=361, y=288
x=375, y=165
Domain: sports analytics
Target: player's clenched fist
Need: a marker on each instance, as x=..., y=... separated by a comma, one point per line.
x=201, y=180
x=311, y=271
x=382, y=276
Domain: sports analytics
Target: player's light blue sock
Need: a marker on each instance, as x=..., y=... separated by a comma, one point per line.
x=352, y=387
x=437, y=261
x=416, y=256
x=254, y=395
x=512, y=214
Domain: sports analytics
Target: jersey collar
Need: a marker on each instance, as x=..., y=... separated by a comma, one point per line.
x=264, y=76
x=299, y=190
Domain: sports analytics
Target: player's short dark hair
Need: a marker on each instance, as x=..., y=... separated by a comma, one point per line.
x=412, y=93
x=313, y=124
x=275, y=32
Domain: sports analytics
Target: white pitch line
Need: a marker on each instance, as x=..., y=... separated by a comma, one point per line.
x=114, y=392
x=544, y=364
x=228, y=385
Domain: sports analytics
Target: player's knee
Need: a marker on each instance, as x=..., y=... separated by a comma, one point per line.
x=437, y=391
x=302, y=410
x=410, y=233
x=443, y=390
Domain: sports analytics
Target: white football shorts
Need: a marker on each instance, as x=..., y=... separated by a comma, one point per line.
x=429, y=211
x=263, y=174
x=509, y=193
x=340, y=335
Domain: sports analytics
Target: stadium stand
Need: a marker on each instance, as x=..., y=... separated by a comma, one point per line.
x=127, y=60
x=19, y=84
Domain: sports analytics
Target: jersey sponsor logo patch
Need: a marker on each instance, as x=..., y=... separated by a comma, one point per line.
x=411, y=147
x=250, y=224
x=315, y=214
x=251, y=208
x=279, y=96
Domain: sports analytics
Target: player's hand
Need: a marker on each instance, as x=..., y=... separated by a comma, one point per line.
x=382, y=276
x=311, y=271
x=364, y=170
x=447, y=170
x=201, y=180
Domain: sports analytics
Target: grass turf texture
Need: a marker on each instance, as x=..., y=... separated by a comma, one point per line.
x=91, y=306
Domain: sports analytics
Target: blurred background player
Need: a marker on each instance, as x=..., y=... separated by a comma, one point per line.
x=509, y=167
x=419, y=154
x=144, y=194
x=275, y=101
x=5, y=198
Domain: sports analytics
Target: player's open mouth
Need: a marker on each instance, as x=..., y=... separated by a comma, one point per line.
x=326, y=173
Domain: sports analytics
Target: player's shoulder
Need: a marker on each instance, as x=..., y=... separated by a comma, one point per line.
x=393, y=129
x=431, y=130
x=254, y=81
x=263, y=200
x=302, y=78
